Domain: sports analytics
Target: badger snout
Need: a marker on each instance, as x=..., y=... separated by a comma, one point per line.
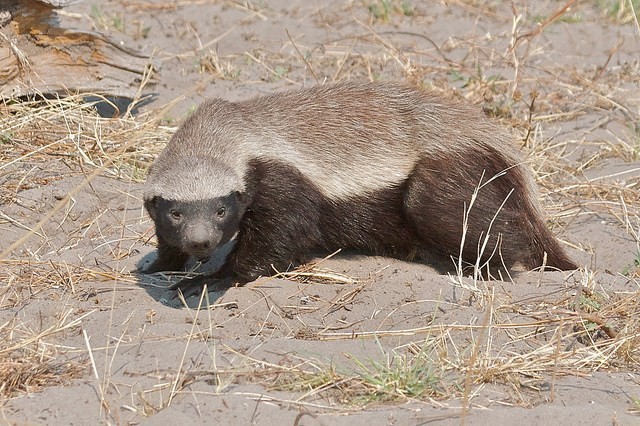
x=200, y=248
x=201, y=240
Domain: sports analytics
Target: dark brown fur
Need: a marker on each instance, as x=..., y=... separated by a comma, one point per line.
x=283, y=216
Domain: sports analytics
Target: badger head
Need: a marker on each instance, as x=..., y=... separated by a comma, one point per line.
x=195, y=203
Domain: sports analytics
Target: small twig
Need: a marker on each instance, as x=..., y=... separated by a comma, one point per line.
x=23, y=61
x=603, y=68
x=324, y=275
x=542, y=26
x=271, y=70
x=304, y=59
x=485, y=328
x=635, y=16
x=194, y=322
x=103, y=401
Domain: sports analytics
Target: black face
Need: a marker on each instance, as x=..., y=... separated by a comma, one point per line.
x=196, y=227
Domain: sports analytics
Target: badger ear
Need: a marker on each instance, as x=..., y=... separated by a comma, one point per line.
x=151, y=204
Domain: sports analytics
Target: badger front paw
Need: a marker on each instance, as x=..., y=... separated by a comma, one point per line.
x=194, y=286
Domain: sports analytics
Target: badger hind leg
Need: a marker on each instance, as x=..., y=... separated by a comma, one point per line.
x=504, y=228
x=281, y=225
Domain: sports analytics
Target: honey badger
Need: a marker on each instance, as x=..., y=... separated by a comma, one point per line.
x=380, y=168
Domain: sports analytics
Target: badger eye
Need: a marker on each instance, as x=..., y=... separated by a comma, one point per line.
x=175, y=215
x=221, y=212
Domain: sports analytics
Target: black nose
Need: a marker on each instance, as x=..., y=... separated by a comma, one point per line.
x=200, y=246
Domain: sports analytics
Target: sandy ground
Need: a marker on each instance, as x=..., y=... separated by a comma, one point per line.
x=373, y=340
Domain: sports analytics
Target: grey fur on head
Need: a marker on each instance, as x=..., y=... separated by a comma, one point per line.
x=189, y=178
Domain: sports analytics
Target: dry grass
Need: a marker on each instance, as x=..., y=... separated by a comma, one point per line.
x=523, y=344
x=31, y=359
x=69, y=129
x=46, y=141
x=50, y=139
